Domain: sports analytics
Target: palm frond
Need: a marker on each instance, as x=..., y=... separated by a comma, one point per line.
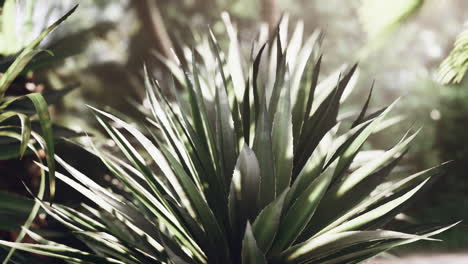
x=454, y=67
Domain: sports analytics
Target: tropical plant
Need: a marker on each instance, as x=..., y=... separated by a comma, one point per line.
x=250, y=165
x=12, y=131
x=454, y=67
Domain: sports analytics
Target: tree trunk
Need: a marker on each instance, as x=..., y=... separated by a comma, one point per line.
x=153, y=24
x=270, y=14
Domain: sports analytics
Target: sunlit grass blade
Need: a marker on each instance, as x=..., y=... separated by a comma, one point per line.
x=61, y=251
x=35, y=209
x=367, y=217
x=328, y=244
x=47, y=133
x=25, y=129
x=381, y=247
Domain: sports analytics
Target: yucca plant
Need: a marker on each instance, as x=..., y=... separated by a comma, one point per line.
x=262, y=169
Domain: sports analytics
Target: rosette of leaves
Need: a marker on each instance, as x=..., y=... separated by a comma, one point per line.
x=252, y=164
x=20, y=134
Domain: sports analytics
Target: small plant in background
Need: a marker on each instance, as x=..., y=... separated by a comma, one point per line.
x=454, y=67
x=253, y=164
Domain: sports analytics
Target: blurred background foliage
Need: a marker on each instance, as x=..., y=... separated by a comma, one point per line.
x=399, y=44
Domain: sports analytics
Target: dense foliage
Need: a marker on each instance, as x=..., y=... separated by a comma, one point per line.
x=16, y=118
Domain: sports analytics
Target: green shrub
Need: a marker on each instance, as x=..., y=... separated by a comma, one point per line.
x=252, y=164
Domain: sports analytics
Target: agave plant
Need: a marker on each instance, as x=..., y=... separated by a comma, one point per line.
x=260, y=169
